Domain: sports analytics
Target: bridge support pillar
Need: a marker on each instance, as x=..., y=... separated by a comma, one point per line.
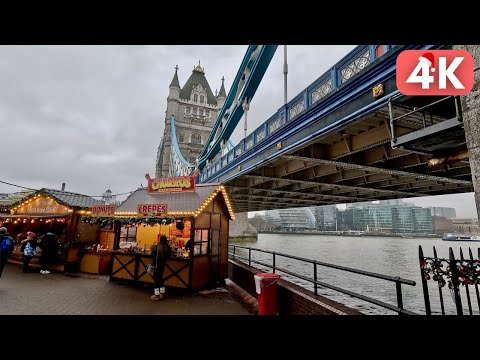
x=471, y=119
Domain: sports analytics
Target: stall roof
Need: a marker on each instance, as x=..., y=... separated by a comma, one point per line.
x=188, y=201
x=23, y=216
x=66, y=198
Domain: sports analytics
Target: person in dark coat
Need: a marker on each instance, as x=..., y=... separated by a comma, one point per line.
x=5, y=252
x=160, y=253
x=49, y=246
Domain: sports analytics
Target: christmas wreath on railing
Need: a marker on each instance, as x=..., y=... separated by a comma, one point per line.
x=468, y=271
x=129, y=221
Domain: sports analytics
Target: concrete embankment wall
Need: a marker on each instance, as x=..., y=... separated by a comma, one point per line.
x=292, y=299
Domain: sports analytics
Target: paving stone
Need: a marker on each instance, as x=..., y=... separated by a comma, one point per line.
x=58, y=294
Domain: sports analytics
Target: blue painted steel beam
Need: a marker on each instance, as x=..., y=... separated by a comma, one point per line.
x=345, y=94
x=243, y=89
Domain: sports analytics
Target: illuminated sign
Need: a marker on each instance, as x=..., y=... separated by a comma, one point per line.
x=151, y=209
x=170, y=184
x=42, y=205
x=98, y=210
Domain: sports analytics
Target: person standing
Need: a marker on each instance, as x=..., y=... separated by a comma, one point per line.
x=6, y=248
x=18, y=240
x=49, y=246
x=160, y=254
x=29, y=246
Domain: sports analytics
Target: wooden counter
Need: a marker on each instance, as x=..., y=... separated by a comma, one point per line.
x=96, y=262
x=132, y=267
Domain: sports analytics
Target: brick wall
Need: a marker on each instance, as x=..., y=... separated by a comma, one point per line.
x=293, y=299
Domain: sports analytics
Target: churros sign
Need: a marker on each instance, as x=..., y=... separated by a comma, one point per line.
x=170, y=184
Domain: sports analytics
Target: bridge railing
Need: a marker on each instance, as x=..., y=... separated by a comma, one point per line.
x=456, y=274
x=423, y=117
x=316, y=283
x=338, y=76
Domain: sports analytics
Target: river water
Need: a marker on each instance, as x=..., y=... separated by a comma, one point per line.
x=392, y=256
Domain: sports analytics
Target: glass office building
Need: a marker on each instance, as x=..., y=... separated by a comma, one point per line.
x=292, y=219
x=326, y=217
x=393, y=219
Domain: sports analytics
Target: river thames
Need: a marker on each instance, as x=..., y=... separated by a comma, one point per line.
x=394, y=256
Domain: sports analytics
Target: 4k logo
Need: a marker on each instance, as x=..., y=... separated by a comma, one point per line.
x=434, y=72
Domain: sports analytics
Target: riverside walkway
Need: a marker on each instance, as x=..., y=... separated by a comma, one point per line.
x=62, y=294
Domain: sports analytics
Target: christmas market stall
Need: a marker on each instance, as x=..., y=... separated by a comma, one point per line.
x=195, y=220
x=55, y=211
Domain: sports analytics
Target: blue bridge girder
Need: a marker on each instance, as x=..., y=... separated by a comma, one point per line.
x=245, y=84
x=270, y=168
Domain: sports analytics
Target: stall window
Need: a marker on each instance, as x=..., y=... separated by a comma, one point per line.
x=128, y=235
x=201, y=244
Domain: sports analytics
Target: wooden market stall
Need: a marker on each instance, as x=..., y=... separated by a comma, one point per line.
x=56, y=211
x=200, y=214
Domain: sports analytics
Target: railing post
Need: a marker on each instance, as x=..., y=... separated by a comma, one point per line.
x=476, y=285
x=426, y=297
x=334, y=78
x=392, y=126
x=440, y=293
x=234, y=247
x=469, y=302
x=273, y=265
x=315, y=277
x=458, y=106
x=456, y=290
x=249, y=256
x=398, y=285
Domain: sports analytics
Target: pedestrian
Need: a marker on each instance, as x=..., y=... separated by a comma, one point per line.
x=29, y=246
x=19, y=238
x=160, y=254
x=49, y=246
x=6, y=247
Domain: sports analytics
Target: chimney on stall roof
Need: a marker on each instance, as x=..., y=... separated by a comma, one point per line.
x=63, y=186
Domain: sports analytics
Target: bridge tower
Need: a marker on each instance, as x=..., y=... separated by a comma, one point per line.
x=195, y=109
x=471, y=120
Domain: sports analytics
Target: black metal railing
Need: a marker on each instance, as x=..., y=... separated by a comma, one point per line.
x=455, y=273
x=316, y=283
x=426, y=114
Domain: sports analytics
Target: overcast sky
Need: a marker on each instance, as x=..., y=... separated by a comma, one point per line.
x=93, y=116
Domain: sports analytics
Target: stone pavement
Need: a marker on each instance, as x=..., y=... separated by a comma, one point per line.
x=60, y=294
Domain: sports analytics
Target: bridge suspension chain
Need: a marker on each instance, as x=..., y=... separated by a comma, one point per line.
x=179, y=166
x=246, y=82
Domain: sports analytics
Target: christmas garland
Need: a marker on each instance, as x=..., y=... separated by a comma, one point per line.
x=129, y=221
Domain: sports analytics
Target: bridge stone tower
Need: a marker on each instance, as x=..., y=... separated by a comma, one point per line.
x=471, y=120
x=195, y=108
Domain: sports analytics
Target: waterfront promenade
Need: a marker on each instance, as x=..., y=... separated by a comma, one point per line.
x=59, y=294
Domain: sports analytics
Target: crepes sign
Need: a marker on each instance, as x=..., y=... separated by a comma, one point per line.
x=170, y=184
x=151, y=209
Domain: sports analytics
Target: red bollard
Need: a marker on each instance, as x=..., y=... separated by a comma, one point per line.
x=266, y=286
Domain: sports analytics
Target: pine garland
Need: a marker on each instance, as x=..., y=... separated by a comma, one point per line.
x=130, y=221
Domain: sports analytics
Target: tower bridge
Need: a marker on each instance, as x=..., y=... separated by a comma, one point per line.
x=350, y=136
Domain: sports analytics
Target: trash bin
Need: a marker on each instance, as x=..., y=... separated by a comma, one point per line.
x=266, y=286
